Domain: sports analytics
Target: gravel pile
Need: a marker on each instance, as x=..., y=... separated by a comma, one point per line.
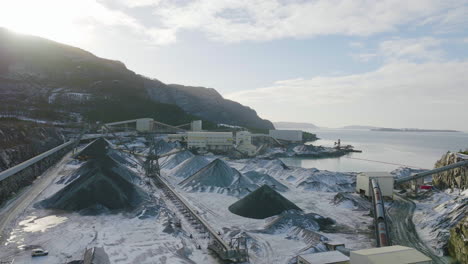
x=101, y=185
x=262, y=203
x=218, y=177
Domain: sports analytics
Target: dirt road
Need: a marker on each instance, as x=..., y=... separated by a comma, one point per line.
x=402, y=230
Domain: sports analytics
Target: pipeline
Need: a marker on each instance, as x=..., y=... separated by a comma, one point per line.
x=380, y=220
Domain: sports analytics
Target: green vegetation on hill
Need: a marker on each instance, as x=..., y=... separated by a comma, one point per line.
x=306, y=136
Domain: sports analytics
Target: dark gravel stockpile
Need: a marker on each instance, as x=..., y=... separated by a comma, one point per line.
x=100, y=185
x=297, y=219
x=190, y=166
x=265, y=179
x=218, y=177
x=262, y=203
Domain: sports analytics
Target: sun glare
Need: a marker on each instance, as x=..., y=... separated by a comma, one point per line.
x=53, y=19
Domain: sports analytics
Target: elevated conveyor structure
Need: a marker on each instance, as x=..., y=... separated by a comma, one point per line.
x=233, y=252
x=224, y=250
x=430, y=172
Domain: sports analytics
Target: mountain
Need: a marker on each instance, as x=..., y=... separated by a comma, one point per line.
x=47, y=80
x=286, y=125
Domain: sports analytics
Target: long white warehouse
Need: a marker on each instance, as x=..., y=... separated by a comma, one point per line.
x=210, y=140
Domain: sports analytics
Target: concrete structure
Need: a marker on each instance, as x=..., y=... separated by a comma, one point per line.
x=144, y=124
x=328, y=257
x=140, y=124
x=196, y=125
x=389, y=255
x=384, y=179
x=244, y=143
x=333, y=245
x=221, y=141
x=289, y=135
x=177, y=137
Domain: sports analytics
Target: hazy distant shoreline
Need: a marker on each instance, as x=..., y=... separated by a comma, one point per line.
x=384, y=129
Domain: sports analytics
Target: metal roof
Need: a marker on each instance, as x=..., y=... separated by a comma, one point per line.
x=327, y=257
x=392, y=255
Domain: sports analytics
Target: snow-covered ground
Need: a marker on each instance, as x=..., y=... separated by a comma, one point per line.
x=436, y=214
x=125, y=237
x=310, y=189
x=128, y=239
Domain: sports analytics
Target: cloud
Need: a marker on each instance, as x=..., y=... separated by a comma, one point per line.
x=364, y=57
x=263, y=20
x=427, y=48
x=232, y=21
x=392, y=91
x=73, y=21
x=410, y=49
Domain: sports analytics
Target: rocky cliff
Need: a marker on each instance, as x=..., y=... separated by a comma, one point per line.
x=458, y=243
x=20, y=141
x=455, y=178
x=43, y=79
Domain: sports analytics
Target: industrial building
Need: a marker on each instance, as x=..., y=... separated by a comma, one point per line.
x=196, y=125
x=146, y=125
x=328, y=257
x=288, y=135
x=384, y=179
x=244, y=143
x=220, y=141
x=140, y=124
x=389, y=255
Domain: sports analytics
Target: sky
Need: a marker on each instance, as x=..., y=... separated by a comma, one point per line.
x=333, y=63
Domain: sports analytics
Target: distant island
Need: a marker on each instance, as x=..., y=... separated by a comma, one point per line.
x=359, y=127
x=294, y=125
x=411, y=130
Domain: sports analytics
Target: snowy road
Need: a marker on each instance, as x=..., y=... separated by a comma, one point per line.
x=16, y=206
x=402, y=229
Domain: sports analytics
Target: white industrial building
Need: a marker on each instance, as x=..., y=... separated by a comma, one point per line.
x=196, y=125
x=389, y=255
x=384, y=179
x=328, y=257
x=210, y=140
x=244, y=143
x=288, y=135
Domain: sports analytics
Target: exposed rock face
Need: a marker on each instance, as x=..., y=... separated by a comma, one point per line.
x=20, y=141
x=44, y=79
x=455, y=178
x=206, y=103
x=458, y=243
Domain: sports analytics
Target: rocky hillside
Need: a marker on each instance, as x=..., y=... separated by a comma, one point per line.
x=456, y=178
x=43, y=79
x=21, y=140
x=458, y=243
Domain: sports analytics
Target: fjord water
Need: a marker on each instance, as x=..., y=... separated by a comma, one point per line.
x=416, y=149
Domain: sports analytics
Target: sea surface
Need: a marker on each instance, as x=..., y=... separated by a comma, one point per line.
x=382, y=151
